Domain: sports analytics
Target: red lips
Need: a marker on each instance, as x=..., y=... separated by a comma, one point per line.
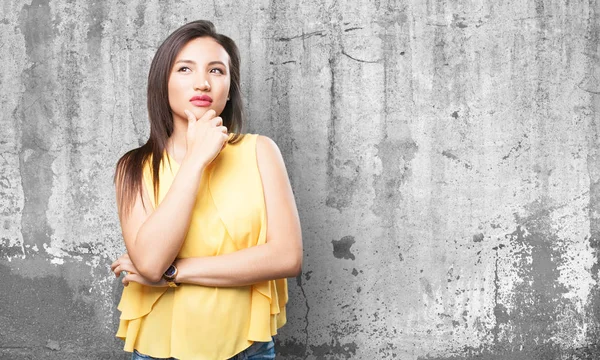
x=201, y=100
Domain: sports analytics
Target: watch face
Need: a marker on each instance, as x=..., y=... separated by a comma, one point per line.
x=171, y=271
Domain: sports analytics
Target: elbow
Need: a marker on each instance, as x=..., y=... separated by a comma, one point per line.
x=296, y=261
x=295, y=266
x=297, y=270
x=150, y=272
x=155, y=277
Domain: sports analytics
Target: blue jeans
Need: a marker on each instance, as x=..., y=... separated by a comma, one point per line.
x=256, y=351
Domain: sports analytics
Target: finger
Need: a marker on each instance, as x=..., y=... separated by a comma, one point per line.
x=190, y=116
x=115, y=264
x=126, y=266
x=120, y=270
x=208, y=115
x=217, y=121
x=223, y=129
x=117, y=270
x=130, y=278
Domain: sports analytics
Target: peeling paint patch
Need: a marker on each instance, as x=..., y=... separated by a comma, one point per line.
x=427, y=287
x=341, y=248
x=451, y=156
x=289, y=348
x=590, y=110
x=342, y=174
x=37, y=136
x=57, y=261
x=335, y=348
x=36, y=307
x=538, y=298
x=343, y=177
x=540, y=352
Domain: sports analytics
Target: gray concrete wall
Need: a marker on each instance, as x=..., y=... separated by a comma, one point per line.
x=444, y=155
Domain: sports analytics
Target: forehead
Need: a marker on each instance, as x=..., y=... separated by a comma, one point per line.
x=203, y=50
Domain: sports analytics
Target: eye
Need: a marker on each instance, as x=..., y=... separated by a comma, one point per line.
x=217, y=71
x=184, y=69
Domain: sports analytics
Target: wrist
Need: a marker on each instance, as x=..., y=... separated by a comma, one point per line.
x=195, y=163
x=170, y=276
x=177, y=263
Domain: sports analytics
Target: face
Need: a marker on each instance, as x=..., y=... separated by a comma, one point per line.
x=199, y=79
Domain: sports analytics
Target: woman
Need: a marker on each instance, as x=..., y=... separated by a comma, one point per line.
x=208, y=215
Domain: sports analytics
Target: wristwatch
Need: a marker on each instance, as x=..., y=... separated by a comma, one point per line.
x=170, y=274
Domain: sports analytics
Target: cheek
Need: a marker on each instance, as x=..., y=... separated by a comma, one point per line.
x=225, y=87
x=175, y=89
x=225, y=91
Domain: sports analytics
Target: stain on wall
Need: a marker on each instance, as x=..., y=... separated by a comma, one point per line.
x=444, y=157
x=341, y=248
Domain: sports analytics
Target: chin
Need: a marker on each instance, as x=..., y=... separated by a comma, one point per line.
x=199, y=112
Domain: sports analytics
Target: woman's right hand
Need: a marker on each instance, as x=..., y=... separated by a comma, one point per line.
x=206, y=137
x=124, y=265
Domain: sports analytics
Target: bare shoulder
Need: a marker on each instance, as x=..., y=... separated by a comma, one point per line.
x=268, y=155
x=265, y=143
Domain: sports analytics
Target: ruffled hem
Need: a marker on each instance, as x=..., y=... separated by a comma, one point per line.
x=268, y=309
x=128, y=330
x=136, y=302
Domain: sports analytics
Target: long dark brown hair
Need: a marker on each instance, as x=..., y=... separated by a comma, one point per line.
x=128, y=174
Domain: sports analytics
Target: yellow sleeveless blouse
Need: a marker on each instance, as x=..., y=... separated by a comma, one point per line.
x=198, y=322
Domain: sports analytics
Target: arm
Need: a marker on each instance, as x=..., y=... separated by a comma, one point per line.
x=280, y=257
x=153, y=238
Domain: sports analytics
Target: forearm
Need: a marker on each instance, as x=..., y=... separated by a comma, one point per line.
x=240, y=268
x=160, y=238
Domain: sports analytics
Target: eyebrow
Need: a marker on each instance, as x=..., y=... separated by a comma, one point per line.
x=193, y=62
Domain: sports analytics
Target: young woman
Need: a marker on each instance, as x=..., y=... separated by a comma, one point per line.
x=208, y=216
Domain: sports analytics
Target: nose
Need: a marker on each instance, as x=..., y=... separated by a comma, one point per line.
x=202, y=85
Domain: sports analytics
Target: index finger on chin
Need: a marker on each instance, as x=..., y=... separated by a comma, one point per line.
x=208, y=115
x=190, y=116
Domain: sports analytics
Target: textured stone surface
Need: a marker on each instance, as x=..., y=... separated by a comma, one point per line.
x=444, y=155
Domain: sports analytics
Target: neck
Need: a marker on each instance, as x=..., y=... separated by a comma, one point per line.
x=177, y=143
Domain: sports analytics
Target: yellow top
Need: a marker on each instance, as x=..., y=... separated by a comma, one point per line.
x=198, y=322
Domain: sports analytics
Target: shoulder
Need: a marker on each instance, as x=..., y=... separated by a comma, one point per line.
x=266, y=144
x=266, y=148
x=268, y=156
x=255, y=148
x=263, y=145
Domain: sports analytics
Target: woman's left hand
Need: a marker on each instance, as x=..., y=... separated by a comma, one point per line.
x=124, y=264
